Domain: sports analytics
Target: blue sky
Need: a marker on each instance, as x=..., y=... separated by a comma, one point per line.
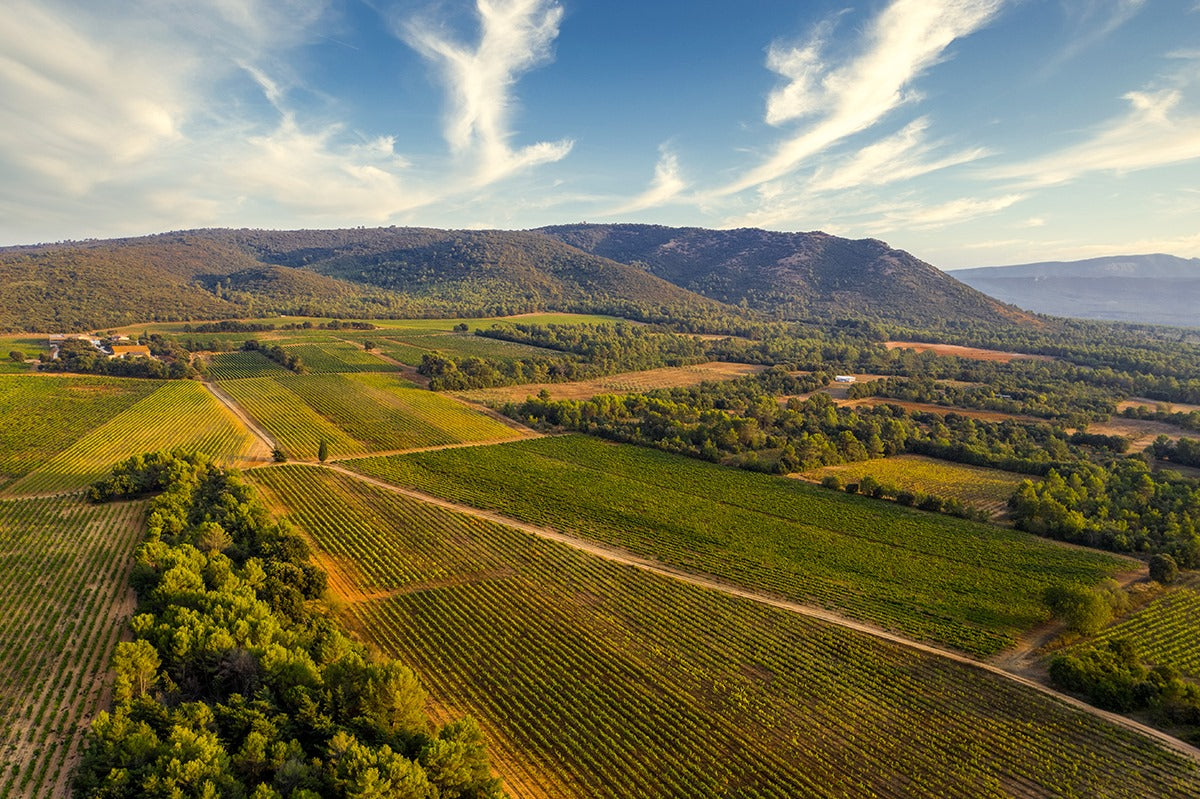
x=969, y=132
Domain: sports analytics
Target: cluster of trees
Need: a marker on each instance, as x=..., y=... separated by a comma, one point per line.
x=233, y=687
x=229, y=326
x=277, y=354
x=1122, y=505
x=589, y=351
x=1185, y=451
x=1074, y=404
x=1188, y=420
x=1112, y=676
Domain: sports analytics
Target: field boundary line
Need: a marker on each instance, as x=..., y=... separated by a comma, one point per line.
x=831, y=617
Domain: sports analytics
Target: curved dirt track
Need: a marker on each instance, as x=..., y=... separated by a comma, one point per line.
x=626, y=558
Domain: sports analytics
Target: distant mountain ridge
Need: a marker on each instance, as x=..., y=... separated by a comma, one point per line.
x=1150, y=289
x=800, y=275
x=642, y=271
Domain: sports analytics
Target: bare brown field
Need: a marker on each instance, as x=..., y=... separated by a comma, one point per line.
x=1141, y=432
x=974, y=353
x=1142, y=402
x=624, y=383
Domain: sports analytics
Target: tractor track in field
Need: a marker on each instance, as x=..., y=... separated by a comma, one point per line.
x=623, y=557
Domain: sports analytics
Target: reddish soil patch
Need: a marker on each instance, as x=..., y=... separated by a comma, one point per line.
x=974, y=353
x=1142, y=402
x=1141, y=432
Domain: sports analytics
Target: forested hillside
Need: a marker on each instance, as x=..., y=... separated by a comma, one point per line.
x=799, y=275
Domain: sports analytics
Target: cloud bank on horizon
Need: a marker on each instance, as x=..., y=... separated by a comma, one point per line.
x=967, y=131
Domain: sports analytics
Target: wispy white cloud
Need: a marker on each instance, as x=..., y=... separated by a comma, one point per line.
x=901, y=156
x=1092, y=22
x=1154, y=131
x=899, y=45
x=926, y=217
x=666, y=186
x=515, y=36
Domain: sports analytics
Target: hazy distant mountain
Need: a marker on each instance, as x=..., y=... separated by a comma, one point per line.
x=799, y=275
x=1155, y=289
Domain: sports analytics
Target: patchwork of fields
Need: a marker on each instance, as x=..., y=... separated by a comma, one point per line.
x=624, y=383
x=64, y=601
x=358, y=413
x=593, y=679
x=978, y=487
x=971, y=586
x=179, y=413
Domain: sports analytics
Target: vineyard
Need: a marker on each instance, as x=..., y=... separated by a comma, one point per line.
x=44, y=415
x=359, y=412
x=624, y=383
x=970, y=586
x=238, y=365
x=593, y=679
x=64, y=599
x=1166, y=632
x=975, y=486
x=180, y=413
x=327, y=356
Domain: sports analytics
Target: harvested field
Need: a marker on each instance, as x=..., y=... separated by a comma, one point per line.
x=1141, y=432
x=973, y=353
x=624, y=383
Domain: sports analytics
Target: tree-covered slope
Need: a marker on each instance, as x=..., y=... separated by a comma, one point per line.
x=801, y=275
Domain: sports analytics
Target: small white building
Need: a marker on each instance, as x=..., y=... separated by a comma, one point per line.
x=844, y=379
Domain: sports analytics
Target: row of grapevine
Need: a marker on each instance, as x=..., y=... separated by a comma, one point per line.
x=181, y=413
x=359, y=412
x=1166, y=632
x=610, y=681
x=321, y=357
x=239, y=365
x=45, y=414
x=64, y=599
x=970, y=586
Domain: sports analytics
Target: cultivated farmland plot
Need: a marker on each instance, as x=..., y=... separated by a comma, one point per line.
x=976, y=486
x=594, y=679
x=237, y=365
x=180, y=413
x=64, y=600
x=45, y=414
x=1166, y=632
x=359, y=413
x=321, y=357
x=971, y=586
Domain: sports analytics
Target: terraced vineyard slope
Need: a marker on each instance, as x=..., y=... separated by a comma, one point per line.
x=970, y=586
x=64, y=600
x=592, y=679
x=180, y=413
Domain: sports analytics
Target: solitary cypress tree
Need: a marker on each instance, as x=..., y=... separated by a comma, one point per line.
x=322, y=450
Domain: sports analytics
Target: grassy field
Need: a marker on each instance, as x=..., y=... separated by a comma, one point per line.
x=332, y=355
x=971, y=353
x=64, y=599
x=593, y=679
x=412, y=346
x=624, y=383
x=976, y=486
x=359, y=413
x=967, y=585
x=1167, y=631
x=180, y=413
x=45, y=414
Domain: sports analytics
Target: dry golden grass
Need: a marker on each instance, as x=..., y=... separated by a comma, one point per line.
x=624, y=383
x=974, y=353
